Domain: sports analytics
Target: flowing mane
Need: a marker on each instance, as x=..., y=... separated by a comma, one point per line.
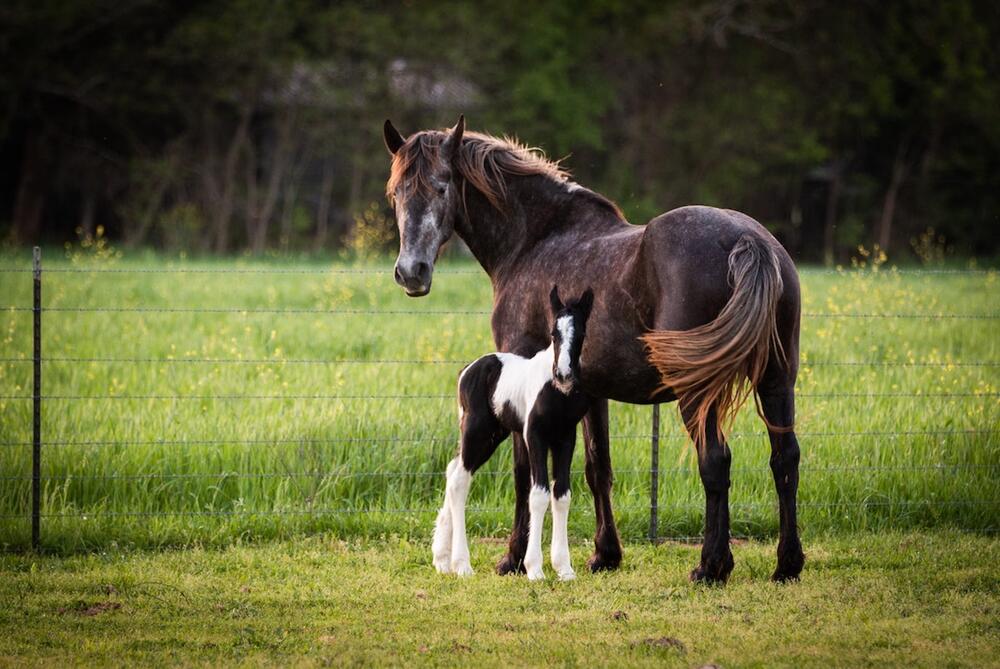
x=483, y=161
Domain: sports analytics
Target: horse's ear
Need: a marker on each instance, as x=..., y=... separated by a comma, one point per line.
x=586, y=302
x=393, y=140
x=449, y=150
x=554, y=300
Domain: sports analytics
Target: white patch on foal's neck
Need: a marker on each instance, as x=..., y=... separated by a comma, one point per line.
x=521, y=379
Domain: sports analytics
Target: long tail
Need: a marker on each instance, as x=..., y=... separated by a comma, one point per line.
x=720, y=363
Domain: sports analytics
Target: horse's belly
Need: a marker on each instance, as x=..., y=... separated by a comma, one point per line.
x=623, y=375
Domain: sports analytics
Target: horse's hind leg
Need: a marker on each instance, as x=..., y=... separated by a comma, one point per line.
x=714, y=459
x=443, y=528
x=778, y=407
x=481, y=434
x=607, y=546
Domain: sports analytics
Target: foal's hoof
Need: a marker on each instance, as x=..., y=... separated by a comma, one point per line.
x=462, y=568
x=510, y=565
x=598, y=562
x=443, y=564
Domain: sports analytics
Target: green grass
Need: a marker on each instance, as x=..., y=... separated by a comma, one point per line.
x=920, y=599
x=210, y=471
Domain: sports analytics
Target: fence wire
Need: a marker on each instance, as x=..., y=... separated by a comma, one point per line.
x=307, y=441
x=336, y=474
x=894, y=364
x=694, y=506
x=349, y=311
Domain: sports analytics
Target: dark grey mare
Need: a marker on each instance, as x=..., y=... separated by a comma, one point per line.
x=700, y=305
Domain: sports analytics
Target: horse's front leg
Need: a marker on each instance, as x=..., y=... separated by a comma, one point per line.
x=459, y=479
x=513, y=561
x=607, y=545
x=562, y=460
x=538, y=504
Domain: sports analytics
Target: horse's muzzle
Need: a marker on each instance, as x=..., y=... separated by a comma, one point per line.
x=414, y=277
x=563, y=384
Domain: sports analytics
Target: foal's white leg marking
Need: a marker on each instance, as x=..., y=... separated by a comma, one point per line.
x=459, y=479
x=538, y=502
x=560, y=538
x=441, y=546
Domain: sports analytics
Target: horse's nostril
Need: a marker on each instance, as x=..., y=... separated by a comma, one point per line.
x=397, y=275
x=423, y=271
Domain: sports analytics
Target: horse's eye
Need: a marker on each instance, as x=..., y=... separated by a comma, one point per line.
x=442, y=190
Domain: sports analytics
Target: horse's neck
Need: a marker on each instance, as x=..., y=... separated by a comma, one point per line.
x=537, y=208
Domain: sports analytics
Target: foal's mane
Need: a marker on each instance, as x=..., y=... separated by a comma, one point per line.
x=483, y=161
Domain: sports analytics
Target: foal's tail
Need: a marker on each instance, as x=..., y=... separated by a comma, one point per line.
x=720, y=363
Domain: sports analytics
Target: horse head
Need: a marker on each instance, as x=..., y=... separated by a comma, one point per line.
x=423, y=190
x=568, y=331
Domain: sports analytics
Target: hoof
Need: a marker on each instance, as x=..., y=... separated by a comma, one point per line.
x=782, y=577
x=443, y=564
x=701, y=575
x=510, y=565
x=567, y=575
x=462, y=569
x=598, y=562
x=713, y=571
x=536, y=575
x=790, y=563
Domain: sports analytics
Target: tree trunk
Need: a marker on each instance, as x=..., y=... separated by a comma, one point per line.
x=899, y=171
x=830, y=222
x=262, y=215
x=289, y=197
x=323, y=210
x=135, y=234
x=29, y=204
x=227, y=192
x=87, y=213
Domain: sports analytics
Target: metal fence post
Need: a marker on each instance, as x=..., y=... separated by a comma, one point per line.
x=36, y=405
x=654, y=475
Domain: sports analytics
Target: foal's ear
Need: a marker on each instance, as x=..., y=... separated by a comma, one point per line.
x=393, y=140
x=554, y=300
x=449, y=149
x=586, y=302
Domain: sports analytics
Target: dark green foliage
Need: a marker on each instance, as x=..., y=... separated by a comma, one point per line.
x=257, y=124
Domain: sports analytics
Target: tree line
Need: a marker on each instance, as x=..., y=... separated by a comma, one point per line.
x=249, y=125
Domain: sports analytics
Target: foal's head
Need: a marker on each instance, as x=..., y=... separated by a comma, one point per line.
x=568, y=332
x=422, y=188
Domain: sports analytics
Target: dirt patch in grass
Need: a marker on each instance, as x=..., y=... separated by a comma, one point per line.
x=663, y=642
x=90, y=608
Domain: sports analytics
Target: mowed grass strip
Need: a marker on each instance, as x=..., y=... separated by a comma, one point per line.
x=926, y=599
x=340, y=450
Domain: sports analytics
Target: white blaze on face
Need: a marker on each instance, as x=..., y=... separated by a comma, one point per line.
x=565, y=327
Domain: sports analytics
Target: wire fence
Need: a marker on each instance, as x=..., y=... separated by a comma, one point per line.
x=650, y=475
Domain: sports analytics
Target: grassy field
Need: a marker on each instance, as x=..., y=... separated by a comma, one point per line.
x=887, y=599
x=899, y=417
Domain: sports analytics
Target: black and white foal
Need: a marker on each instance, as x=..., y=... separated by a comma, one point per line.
x=502, y=393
